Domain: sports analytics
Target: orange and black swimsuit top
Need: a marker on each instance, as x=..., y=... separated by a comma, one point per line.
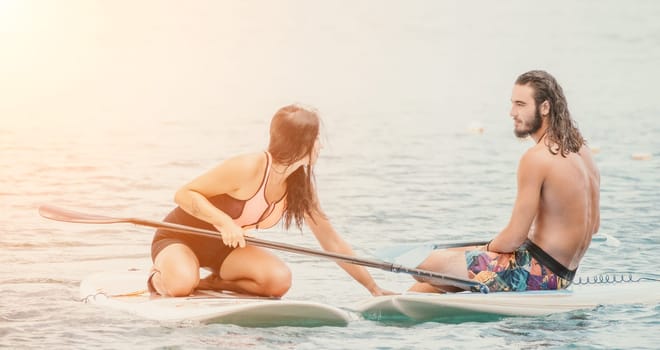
x=254, y=212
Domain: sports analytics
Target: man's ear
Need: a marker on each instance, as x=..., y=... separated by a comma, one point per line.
x=545, y=108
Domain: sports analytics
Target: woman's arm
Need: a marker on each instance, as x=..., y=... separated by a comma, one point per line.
x=331, y=241
x=230, y=177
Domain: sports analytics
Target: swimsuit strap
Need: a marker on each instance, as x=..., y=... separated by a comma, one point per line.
x=548, y=261
x=255, y=207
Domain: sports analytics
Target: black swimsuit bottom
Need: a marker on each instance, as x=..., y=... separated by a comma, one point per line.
x=546, y=260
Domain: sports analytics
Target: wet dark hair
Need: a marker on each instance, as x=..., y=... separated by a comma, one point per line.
x=293, y=133
x=561, y=127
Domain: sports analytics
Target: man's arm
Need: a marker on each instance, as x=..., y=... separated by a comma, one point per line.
x=531, y=174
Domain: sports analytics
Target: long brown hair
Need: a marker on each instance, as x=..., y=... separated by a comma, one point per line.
x=561, y=127
x=293, y=133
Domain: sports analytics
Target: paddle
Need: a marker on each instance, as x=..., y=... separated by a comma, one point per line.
x=415, y=253
x=60, y=214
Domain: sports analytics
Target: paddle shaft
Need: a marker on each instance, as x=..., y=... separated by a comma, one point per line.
x=458, y=245
x=433, y=246
x=59, y=214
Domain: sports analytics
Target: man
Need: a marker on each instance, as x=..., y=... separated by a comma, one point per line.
x=556, y=209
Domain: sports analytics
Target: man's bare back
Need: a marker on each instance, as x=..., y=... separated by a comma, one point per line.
x=568, y=212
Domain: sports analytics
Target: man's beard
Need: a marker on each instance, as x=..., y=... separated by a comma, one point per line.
x=533, y=127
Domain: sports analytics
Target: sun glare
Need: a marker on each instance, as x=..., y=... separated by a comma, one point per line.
x=11, y=15
x=30, y=65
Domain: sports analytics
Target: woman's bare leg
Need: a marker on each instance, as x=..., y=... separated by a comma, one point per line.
x=175, y=271
x=253, y=270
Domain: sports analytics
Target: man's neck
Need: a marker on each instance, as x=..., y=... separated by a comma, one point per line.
x=540, y=134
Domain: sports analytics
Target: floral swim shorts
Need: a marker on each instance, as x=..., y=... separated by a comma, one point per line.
x=528, y=268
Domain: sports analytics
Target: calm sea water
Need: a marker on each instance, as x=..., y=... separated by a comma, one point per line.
x=109, y=107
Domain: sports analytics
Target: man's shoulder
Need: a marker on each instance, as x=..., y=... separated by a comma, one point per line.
x=586, y=152
x=538, y=153
x=544, y=152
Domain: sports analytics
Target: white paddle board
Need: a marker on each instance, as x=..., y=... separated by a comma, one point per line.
x=458, y=307
x=127, y=291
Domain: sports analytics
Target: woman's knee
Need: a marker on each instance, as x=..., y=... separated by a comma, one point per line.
x=277, y=282
x=178, y=271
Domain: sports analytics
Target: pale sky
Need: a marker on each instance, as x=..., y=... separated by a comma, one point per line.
x=73, y=60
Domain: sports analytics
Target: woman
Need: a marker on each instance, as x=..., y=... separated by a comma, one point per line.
x=244, y=192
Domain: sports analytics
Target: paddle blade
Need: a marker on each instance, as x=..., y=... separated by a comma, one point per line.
x=59, y=214
x=609, y=240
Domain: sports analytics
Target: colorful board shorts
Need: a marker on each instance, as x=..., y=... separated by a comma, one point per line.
x=528, y=268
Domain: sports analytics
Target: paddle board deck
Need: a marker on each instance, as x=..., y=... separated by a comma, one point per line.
x=127, y=291
x=467, y=306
